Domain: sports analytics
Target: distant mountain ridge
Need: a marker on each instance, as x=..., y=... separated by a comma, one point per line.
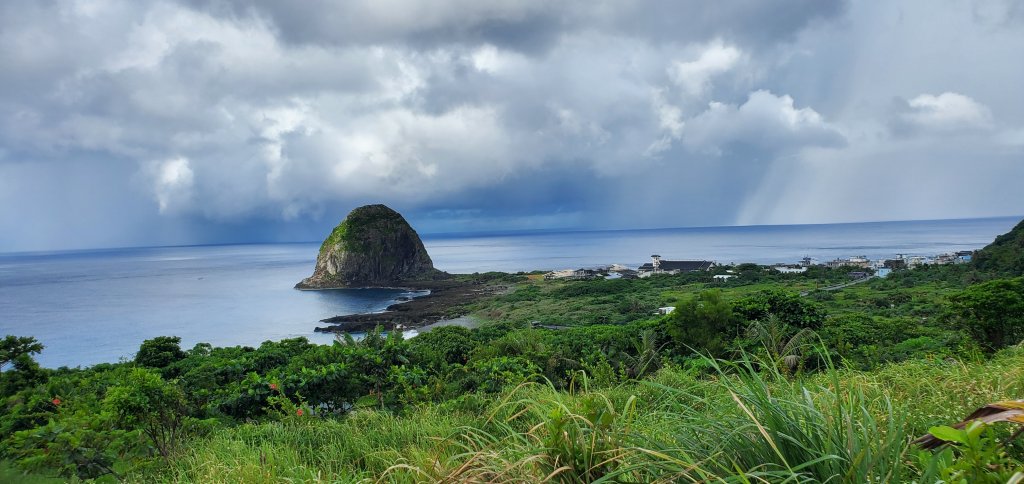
x=1004, y=256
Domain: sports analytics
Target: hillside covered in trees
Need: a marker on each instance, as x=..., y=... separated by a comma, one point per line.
x=1005, y=256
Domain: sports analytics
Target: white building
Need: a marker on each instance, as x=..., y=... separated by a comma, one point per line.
x=789, y=269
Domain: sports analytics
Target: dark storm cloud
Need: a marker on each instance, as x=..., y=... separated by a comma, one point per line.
x=530, y=26
x=251, y=119
x=751, y=23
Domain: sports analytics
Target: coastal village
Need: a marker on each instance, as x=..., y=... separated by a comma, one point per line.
x=861, y=267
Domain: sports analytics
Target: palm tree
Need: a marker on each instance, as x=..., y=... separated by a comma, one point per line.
x=647, y=359
x=783, y=344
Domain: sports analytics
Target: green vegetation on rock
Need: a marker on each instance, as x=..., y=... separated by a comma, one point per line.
x=373, y=246
x=337, y=237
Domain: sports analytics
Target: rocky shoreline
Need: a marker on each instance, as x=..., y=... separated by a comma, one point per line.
x=447, y=299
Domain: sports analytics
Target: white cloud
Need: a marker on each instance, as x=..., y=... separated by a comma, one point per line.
x=492, y=60
x=588, y=132
x=695, y=76
x=947, y=111
x=172, y=184
x=399, y=154
x=765, y=120
x=670, y=120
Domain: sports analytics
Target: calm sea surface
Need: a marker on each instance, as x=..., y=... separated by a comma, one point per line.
x=97, y=306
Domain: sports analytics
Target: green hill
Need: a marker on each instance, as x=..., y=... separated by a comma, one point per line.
x=1004, y=256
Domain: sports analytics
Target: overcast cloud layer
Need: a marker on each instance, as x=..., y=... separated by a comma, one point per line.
x=167, y=122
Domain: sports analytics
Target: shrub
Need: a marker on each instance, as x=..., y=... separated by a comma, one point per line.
x=992, y=312
x=705, y=323
x=146, y=402
x=495, y=374
x=790, y=308
x=440, y=347
x=79, y=444
x=159, y=352
x=976, y=455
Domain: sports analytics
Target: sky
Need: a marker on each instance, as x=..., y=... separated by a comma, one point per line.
x=141, y=122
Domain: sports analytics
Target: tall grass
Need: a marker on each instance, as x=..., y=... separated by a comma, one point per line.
x=743, y=423
x=774, y=429
x=746, y=425
x=355, y=449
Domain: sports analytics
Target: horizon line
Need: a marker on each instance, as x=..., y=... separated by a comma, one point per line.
x=492, y=233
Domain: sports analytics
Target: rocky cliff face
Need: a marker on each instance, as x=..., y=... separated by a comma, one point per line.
x=373, y=247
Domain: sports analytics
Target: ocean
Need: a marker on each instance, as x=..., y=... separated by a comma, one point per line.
x=97, y=306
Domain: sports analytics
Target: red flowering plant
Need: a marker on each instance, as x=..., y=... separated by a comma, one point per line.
x=282, y=407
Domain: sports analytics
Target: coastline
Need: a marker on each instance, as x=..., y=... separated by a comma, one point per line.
x=239, y=294
x=397, y=288
x=444, y=300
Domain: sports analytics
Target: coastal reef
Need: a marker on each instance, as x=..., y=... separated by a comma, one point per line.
x=373, y=247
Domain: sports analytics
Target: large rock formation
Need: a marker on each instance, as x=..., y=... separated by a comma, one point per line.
x=373, y=247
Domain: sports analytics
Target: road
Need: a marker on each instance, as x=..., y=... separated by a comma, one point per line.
x=840, y=286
